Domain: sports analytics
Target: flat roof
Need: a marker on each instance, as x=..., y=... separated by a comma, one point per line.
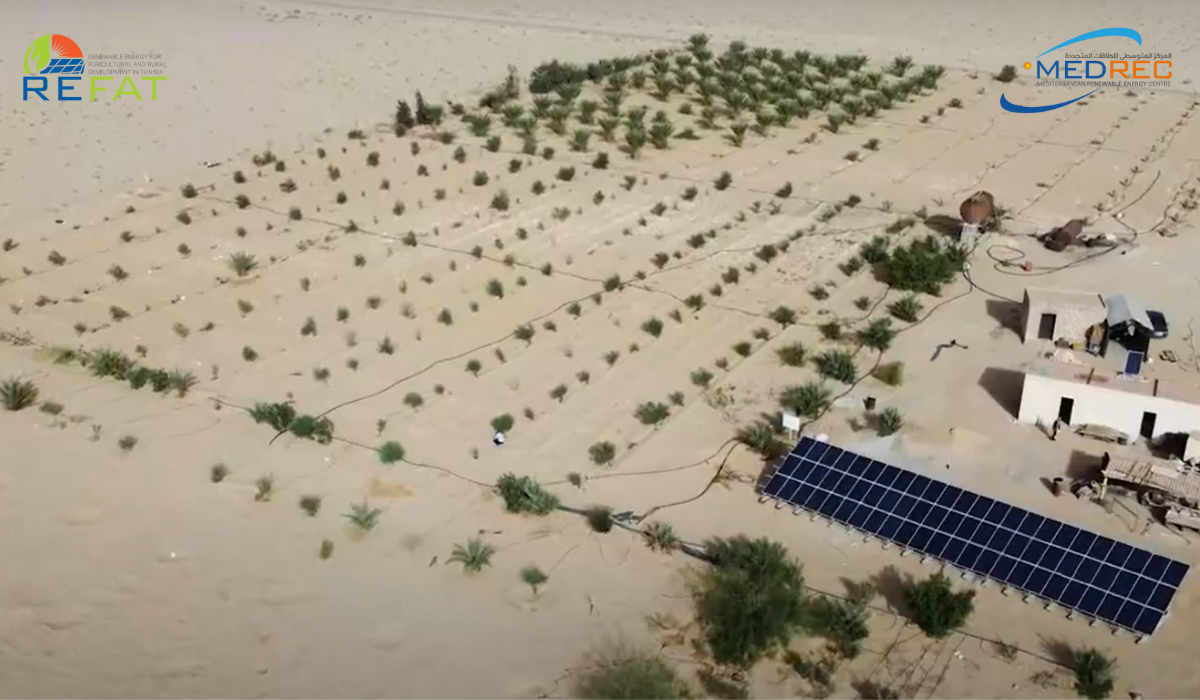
x=1053, y=298
x=1149, y=383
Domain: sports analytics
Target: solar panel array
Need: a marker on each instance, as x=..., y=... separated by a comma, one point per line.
x=64, y=65
x=1080, y=570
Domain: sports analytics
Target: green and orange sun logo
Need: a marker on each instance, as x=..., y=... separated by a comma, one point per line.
x=53, y=53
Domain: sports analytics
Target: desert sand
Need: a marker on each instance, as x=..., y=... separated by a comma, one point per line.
x=129, y=572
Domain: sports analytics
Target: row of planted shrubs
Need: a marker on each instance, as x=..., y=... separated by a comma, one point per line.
x=117, y=365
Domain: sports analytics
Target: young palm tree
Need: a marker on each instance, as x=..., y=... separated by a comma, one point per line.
x=474, y=556
x=242, y=263
x=661, y=536
x=363, y=517
x=808, y=400
x=17, y=394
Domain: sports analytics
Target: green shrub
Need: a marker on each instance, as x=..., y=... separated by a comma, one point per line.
x=836, y=364
x=652, y=413
x=809, y=400
x=878, y=334
x=602, y=453
x=792, y=354
x=1093, y=673
x=751, y=602
x=525, y=495
x=889, y=421
x=936, y=608
x=18, y=394
x=906, y=309
x=624, y=673
x=923, y=266
x=763, y=439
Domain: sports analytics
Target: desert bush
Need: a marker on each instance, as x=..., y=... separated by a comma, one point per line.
x=312, y=428
x=599, y=518
x=936, y=608
x=264, y=487
x=495, y=288
x=524, y=333
x=743, y=348
x=875, y=251
x=525, y=495
x=473, y=366
x=277, y=415
x=17, y=394
x=878, y=334
x=763, y=438
x=660, y=259
x=500, y=201
x=625, y=673
x=391, y=452
x=831, y=329
x=652, y=413
x=1093, y=673
x=723, y=181
x=923, y=266
x=602, y=453
x=792, y=354
x=751, y=601
x=842, y=622
x=783, y=315
x=1007, y=74
x=809, y=400
x=836, y=364
x=702, y=378
x=906, y=309
x=889, y=421
x=413, y=400
x=785, y=191
x=653, y=326
x=502, y=423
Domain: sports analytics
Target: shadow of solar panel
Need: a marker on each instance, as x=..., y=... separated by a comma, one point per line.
x=1082, y=571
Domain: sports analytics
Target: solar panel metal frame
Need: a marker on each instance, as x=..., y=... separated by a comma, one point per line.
x=1128, y=587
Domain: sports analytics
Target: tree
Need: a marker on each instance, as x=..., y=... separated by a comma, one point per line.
x=936, y=608
x=751, y=601
x=404, y=119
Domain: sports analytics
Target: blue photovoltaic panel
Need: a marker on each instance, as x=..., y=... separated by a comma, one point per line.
x=1129, y=587
x=63, y=65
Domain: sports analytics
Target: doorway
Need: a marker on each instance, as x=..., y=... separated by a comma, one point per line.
x=1046, y=326
x=1148, y=420
x=1065, y=408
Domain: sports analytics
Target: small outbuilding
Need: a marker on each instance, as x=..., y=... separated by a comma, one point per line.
x=1075, y=317
x=1077, y=395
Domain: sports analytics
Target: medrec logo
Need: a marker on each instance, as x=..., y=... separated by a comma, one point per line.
x=1095, y=69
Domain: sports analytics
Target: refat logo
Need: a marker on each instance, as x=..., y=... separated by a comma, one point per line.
x=58, y=56
x=1096, y=69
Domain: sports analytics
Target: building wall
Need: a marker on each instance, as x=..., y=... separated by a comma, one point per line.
x=1040, y=397
x=1072, y=322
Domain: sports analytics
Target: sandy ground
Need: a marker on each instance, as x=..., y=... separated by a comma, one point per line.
x=130, y=574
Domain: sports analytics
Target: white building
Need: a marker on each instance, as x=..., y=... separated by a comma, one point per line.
x=1139, y=406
